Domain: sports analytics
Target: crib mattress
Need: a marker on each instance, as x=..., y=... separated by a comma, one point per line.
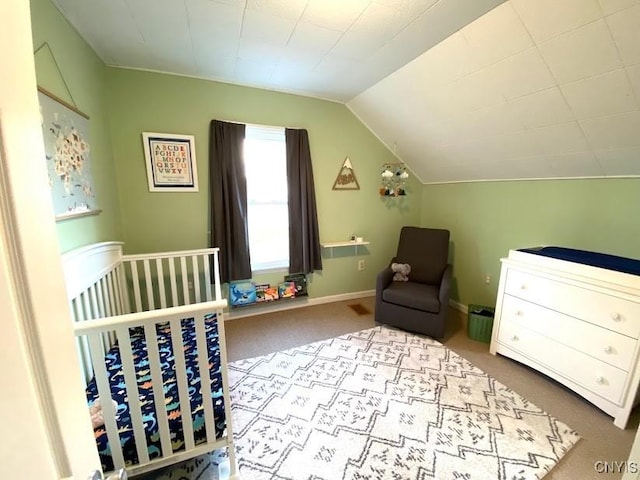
x=120, y=392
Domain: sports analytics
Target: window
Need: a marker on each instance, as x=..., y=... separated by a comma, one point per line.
x=265, y=165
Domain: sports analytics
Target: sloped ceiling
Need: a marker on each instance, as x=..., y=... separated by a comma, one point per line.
x=532, y=89
x=331, y=49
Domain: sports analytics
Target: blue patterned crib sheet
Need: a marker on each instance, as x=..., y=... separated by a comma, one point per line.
x=120, y=392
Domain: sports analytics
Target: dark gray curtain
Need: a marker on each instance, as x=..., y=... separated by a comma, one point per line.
x=304, y=239
x=228, y=187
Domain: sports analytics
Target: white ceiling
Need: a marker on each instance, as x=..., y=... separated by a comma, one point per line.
x=532, y=89
x=331, y=49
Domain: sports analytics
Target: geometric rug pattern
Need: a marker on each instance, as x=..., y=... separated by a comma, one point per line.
x=385, y=404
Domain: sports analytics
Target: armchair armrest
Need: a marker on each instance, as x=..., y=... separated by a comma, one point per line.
x=384, y=278
x=445, y=286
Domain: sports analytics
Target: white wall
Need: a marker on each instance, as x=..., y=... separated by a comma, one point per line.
x=46, y=431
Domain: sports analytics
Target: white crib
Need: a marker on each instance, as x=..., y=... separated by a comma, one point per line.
x=127, y=309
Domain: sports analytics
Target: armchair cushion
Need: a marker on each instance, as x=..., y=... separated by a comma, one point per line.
x=426, y=250
x=419, y=296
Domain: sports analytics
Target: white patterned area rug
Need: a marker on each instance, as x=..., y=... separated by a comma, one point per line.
x=384, y=404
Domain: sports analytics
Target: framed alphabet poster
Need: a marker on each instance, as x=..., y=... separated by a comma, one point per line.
x=171, y=162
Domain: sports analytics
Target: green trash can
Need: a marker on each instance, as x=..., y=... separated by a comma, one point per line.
x=480, y=323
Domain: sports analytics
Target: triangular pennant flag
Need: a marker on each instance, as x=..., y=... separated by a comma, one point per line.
x=346, y=179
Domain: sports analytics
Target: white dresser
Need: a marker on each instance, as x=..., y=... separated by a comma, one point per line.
x=576, y=323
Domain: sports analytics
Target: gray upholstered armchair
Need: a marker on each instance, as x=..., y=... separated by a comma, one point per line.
x=420, y=304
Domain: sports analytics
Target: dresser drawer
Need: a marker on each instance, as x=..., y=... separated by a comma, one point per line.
x=594, y=375
x=611, y=312
x=606, y=345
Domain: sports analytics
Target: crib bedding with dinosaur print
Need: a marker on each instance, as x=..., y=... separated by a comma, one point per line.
x=144, y=390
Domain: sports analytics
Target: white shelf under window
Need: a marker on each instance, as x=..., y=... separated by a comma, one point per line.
x=348, y=243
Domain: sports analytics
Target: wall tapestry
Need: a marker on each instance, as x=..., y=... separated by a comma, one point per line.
x=66, y=131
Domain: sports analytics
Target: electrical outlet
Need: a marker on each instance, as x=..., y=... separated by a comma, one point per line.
x=360, y=265
x=487, y=279
x=190, y=285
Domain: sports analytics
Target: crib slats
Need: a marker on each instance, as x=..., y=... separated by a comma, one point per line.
x=207, y=277
x=103, y=296
x=181, y=380
x=196, y=278
x=136, y=286
x=104, y=394
x=185, y=280
x=94, y=311
x=158, y=390
x=106, y=302
x=161, y=286
x=205, y=377
x=128, y=369
x=104, y=307
x=174, y=286
x=122, y=290
x=216, y=275
x=100, y=306
x=225, y=390
x=82, y=343
x=177, y=289
x=151, y=305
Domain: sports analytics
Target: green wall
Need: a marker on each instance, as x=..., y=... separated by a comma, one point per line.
x=156, y=221
x=67, y=67
x=486, y=219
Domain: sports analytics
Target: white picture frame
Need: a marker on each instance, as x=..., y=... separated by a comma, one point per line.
x=170, y=159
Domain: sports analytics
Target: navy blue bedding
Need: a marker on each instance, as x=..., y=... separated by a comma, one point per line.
x=602, y=260
x=144, y=391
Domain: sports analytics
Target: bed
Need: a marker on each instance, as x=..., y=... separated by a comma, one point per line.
x=146, y=327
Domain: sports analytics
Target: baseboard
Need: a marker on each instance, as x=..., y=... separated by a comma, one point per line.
x=459, y=306
x=282, y=305
x=253, y=310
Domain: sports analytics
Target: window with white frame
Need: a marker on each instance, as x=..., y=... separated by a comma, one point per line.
x=265, y=165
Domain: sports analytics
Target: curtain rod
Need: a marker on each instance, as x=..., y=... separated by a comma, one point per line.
x=258, y=124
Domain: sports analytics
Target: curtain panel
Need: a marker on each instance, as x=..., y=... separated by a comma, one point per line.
x=228, y=196
x=304, y=238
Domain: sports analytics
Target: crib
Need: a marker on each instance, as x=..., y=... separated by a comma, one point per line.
x=149, y=329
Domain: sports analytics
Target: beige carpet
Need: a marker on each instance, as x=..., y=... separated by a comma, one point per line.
x=600, y=439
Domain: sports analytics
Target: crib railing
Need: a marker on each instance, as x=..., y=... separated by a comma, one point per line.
x=161, y=280
x=94, y=331
x=138, y=283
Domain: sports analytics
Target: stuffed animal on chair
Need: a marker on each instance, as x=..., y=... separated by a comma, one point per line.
x=401, y=271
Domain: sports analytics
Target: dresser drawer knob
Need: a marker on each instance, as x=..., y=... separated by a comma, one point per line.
x=600, y=380
x=523, y=286
x=519, y=313
x=515, y=337
x=608, y=349
x=615, y=317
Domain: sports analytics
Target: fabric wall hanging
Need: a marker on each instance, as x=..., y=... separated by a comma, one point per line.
x=65, y=131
